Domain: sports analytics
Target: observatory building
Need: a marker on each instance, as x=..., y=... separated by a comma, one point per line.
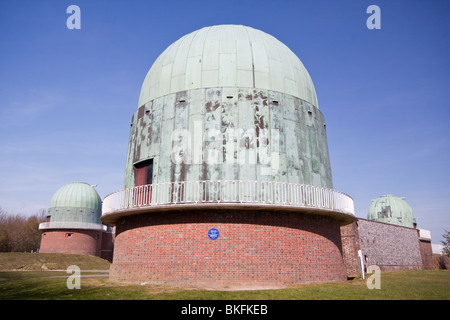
x=73, y=223
x=392, y=209
x=228, y=179
x=388, y=238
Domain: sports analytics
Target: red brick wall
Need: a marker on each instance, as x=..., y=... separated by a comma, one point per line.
x=254, y=249
x=350, y=247
x=426, y=254
x=80, y=241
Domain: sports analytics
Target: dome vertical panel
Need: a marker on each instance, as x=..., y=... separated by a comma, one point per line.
x=210, y=61
x=244, y=60
x=177, y=82
x=275, y=65
x=165, y=79
x=154, y=84
x=227, y=58
x=80, y=195
x=261, y=67
x=194, y=63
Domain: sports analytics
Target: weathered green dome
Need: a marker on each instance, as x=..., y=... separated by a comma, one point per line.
x=391, y=209
x=77, y=195
x=75, y=205
x=228, y=56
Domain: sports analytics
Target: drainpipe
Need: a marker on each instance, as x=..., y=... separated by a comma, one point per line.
x=361, y=263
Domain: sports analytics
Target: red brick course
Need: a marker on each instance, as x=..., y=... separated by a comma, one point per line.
x=254, y=249
x=79, y=241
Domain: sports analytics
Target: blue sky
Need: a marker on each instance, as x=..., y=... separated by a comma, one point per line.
x=67, y=96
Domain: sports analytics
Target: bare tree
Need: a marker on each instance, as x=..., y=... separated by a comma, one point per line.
x=446, y=243
x=18, y=233
x=3, y=233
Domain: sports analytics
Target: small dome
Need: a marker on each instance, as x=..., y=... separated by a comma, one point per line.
x=76, y=202
x=228, y=56
x=77, y=195
x=392, y=209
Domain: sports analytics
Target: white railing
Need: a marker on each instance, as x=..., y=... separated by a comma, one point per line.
x=228, y=191
x=71, y=225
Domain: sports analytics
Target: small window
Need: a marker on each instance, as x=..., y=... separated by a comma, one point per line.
x=68, y=235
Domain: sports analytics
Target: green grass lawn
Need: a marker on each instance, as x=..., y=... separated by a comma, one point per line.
x=36, y=284
x=409, y=285
x=49, y=261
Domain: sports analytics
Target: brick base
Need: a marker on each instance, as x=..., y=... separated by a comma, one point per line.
x=255, y=249
x=71, y=241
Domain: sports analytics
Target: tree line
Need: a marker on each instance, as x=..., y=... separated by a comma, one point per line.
x=19, y=233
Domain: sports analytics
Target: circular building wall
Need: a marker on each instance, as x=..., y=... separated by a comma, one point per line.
x=77, y=241
x=248, y=249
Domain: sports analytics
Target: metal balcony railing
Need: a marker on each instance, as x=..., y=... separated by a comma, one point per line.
x=72, y=225
x=228, y=192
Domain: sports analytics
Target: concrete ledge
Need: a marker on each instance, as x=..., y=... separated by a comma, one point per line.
x=112, y=218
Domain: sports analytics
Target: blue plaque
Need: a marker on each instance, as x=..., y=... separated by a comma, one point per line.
x=213, y=233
